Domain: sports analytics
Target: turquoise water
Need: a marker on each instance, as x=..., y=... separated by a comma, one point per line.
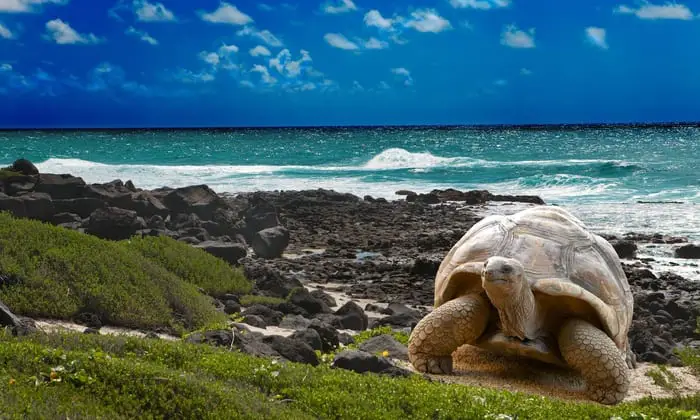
x=599, y=173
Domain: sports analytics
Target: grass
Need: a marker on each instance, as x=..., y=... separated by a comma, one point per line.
x=144, y=283
x=214, y=275
x=78, y=375
x=664, y=378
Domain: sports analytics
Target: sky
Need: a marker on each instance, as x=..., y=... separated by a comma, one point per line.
x=182, y=63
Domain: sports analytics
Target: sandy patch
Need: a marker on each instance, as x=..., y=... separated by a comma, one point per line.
x=477, y=367
x=54, y=325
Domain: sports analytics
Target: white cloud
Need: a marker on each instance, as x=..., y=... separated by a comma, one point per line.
x=516, y=38
x=26, y=6
x=264, y=74
x=427, y=20
x=188, y=76
x=658, y=11
x=228, y=14
x=5, y=67
x=340, y=41
x=260, y=51
x=210, y=58
x=375, y=44
x=404, y=74
x=152, y=12
x=480, y=4
x=341, y=6
x=5, y=32
x=221, y=58
x=384, y=85
x=264, y=36
x=247, y=83
x=62, y=33
x=596, y=36
x=500, y=82
x=287, y=67
x=374, y=18
x=307, y=86
x=265, y=7
x=357, y=87
x=525, y=71
x=142, y=35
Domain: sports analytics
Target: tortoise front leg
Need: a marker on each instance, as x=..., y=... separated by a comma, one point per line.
x=457, y=322
x=591, y=352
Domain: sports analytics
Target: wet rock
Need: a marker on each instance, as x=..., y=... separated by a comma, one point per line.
x=689, y=251
x=625, y=248
x=230, y=252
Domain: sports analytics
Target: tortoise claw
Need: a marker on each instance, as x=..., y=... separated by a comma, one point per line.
x=431, y=364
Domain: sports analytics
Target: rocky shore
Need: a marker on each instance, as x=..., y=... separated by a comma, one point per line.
x=383, y=253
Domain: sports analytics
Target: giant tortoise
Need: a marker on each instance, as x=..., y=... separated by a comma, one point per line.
x=536, y=284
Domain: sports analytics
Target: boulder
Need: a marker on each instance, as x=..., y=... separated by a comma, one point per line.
x=255, y=321
x=295, y=322
x=198, y=199
x=310, y=337
x=24, y=167
x=114, y=223
x=270, y=316
x=270, y=281
x=60, y=186
x=352, y=317
x=625, y=248
x=688, y=251
x=271, y=242
x=293, y=350
x=361, y=362
x=18, y=184
x=230, y=252
x=330, y=338
x=312, y=305
x=388, y=343
x=83, y=206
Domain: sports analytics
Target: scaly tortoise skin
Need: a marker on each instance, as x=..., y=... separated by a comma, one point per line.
x=535, y=284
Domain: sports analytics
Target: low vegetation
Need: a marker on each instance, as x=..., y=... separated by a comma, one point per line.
x=78, y=375
x=148, y=283
x=8, y=173
x=249, y=300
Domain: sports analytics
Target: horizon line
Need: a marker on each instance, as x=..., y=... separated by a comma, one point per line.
x=363, y=126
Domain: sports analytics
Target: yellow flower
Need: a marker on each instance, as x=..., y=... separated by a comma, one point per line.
x=12, y=381
x=385, y=353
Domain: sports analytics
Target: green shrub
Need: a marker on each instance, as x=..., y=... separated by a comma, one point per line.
x=214, y=275
x=8, y=173
x=248, y=300
x=127, y=377
x=63, y=272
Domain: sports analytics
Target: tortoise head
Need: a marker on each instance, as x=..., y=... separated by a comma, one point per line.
x=502, y=277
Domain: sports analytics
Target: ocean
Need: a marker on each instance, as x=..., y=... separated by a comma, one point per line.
x=617, y=179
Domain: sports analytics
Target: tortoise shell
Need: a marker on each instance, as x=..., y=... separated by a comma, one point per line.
x=562, y=259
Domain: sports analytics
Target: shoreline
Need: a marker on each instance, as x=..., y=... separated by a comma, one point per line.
x=383, y=254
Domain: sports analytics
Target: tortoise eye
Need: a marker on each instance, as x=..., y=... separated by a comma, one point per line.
x=507, y=269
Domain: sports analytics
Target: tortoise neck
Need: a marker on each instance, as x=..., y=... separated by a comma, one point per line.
x=518, y=313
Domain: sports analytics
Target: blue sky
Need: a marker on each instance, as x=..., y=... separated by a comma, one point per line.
x=131, y=63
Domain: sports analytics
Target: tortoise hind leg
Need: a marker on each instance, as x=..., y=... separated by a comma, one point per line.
x=591, y=352
x=441, y=332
